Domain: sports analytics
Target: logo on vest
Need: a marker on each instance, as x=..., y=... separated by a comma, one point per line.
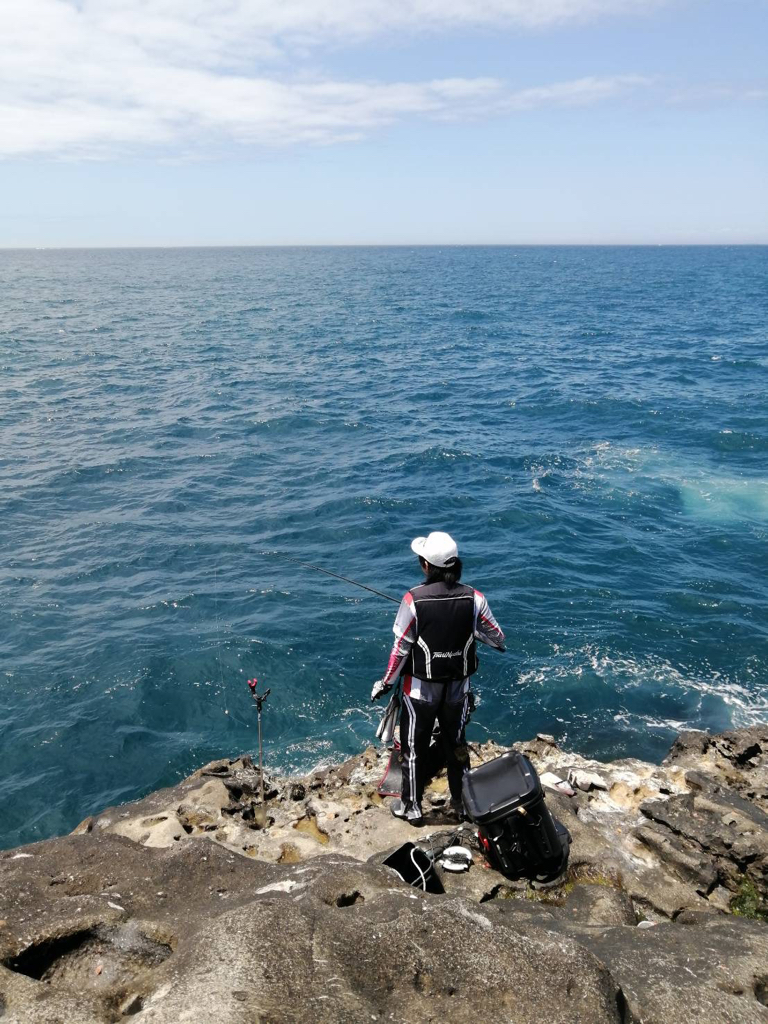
x=447, y=654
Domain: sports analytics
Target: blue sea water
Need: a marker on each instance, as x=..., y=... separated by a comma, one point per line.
x=591, y=424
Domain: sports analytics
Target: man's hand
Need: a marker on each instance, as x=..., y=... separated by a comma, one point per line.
x=379, y=689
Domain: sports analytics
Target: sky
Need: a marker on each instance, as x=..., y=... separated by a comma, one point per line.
x=289, y=122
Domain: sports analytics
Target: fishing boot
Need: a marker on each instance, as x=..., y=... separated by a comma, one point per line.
x=407, y=812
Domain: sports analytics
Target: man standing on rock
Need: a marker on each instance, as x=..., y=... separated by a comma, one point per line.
x=435, y=653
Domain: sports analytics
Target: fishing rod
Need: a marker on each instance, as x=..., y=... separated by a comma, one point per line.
x=318, y=568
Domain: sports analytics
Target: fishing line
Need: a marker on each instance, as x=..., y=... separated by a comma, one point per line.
x=218, y=638
x=336, y=575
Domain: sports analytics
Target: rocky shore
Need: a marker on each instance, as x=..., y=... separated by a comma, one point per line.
x=191, y=906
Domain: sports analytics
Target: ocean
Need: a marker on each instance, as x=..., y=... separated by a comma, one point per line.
x=590, y=424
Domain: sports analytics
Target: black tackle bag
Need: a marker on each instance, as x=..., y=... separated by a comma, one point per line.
x=520, y=837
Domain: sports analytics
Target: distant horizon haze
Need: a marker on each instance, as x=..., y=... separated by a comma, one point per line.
x=388, y=245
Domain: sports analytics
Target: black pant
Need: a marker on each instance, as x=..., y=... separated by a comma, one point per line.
x=417, y=720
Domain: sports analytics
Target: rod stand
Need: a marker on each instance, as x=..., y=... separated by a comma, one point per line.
x=258, y=699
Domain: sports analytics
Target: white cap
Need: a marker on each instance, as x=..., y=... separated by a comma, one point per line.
x=438, y=549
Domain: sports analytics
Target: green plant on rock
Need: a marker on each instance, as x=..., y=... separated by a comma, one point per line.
x=557, y=895
x=586, y=874
x=750, y=902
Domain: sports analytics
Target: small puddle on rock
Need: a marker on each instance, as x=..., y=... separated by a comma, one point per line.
x=310, y=827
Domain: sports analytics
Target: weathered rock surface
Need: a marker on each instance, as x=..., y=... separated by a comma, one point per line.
x=179, y=907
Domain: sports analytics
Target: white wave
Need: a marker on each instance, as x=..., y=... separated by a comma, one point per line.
x=746, y=705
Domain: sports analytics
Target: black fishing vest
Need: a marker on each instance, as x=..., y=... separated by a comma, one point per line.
x=445, y=647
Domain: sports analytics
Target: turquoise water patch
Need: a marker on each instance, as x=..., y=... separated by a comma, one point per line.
x=723, y=499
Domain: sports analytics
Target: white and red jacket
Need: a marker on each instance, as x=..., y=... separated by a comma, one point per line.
x=406, y=630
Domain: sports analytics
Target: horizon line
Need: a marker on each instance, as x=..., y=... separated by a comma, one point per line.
x=391, y=245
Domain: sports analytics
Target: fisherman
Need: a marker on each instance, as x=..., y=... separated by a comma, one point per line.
x=435, y=654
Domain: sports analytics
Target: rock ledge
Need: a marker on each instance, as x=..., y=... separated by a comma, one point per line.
x=189, y=906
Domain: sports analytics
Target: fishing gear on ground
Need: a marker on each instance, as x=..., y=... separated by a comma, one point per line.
x=519, y=835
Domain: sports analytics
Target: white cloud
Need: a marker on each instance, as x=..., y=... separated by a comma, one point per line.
x=100, y=77
x=577, y=93
x=197, y=111
x=712, y=93
x=241, y=30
